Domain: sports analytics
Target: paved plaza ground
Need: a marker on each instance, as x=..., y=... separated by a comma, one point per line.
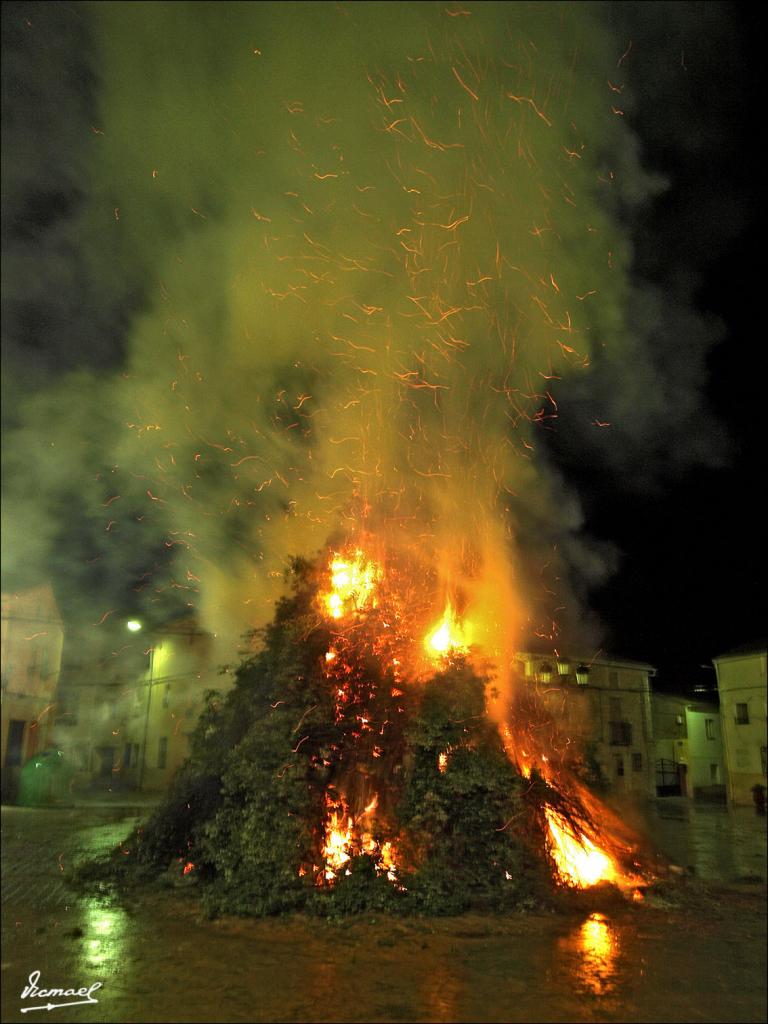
x=697, y=957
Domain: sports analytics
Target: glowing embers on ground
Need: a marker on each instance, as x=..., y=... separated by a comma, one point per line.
x=354, y=579
x=449, y=636
x=347, y=837
x=580, y=863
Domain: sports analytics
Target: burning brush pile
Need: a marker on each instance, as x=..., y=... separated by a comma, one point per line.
x=355, y=765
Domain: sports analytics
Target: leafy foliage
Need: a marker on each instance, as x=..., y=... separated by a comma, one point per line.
x=467, y=822
x=248, y=808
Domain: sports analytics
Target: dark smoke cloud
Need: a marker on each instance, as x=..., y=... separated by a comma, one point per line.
x=56, y=316
x=683, y=94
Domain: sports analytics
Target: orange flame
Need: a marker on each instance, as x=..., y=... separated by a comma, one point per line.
x=353, y=584
x=356, y=585
x=338, y=841
x=344, y=840
x=449, y=636
x=388, y=860
x=580, y=863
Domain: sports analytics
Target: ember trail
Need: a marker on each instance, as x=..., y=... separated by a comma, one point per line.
x=356, y=766
x=371, y=283
x=417, y=249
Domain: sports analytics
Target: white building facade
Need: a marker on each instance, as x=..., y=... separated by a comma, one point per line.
x=742, y=684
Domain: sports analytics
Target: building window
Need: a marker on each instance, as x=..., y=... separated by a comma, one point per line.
x=131, y=755
x=69, y=703
x=742, y=714
x=764, y=759
x=620, y=734
x=709, y=725
x=619, y=764
x=162, y=752
x=637, y=762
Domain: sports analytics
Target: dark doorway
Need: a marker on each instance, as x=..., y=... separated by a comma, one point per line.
x=15, y=743
x=683, y=770
x=106, y=756
x=667, y=778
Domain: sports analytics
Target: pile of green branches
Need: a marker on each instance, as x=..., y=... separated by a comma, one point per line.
x=245, y=814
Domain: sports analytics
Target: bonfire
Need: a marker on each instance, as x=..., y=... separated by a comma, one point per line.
x=365, y=759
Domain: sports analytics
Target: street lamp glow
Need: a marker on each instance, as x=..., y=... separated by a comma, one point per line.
x=133, y=625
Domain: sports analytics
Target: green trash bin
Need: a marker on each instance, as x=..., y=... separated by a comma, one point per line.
x=45, y=780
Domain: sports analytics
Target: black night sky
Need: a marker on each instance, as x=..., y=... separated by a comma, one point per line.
x=676, y=499
x=690, y=582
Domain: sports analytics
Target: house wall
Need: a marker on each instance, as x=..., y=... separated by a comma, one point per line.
x=705, y=747
x=32, y=641
x=622, y=695
x=670, y=739
x=741, y=681
x=97, y=706
x=609, y=717
x=688, y=734
x=126, y=719
x=183, y=669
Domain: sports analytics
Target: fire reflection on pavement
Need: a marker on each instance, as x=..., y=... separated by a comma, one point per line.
x=594, y=948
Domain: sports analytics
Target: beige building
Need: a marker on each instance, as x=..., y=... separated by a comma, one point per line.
x=741, y=681
x=98, y=700
x=126, y=722
x=688, y=748
x=603, y=706
x=172, y=691
x=32, y=641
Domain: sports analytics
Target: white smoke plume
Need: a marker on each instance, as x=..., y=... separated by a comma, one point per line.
x=344, y=267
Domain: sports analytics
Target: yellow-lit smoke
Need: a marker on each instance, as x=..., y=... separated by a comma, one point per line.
x=376, y=241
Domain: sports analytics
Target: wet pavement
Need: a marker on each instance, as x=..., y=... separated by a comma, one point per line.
x=712, y=841
x=697, y=958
